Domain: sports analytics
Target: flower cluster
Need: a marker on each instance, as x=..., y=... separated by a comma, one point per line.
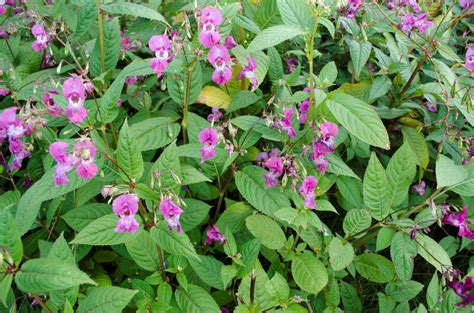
x=352, y=8
x=467, y=4
x=51, y=106
x=75, y=93
x=126, y=206
x=219, y=58
x=214, y=234
x=82, y=158
x=459, y=220
x=307, y=191
x=209, y=138
x=15, y=129
x=171, y=213
x=160, y=44
x=211, y=18
x=323, y=145
x=285, y=122
x=274, y=164
x=411, y=20
x=42, y=38
x=463, y=290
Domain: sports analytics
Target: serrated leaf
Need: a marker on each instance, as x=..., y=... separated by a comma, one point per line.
x=359, y=119
x=195, y=212
x=195, y=300
x=355, y=221
x=360, y=52
x=172, y=242
x=42, y=275
x=129, y=157
x=448, y=173
x=417, y=143
x=214, y=97
x=350, y=298
x=87, y=19
x=247, y=122
x=191, y=175
x=375, y=189
x=209, y=270
x=341, y=254
x=169, y=166
x=177, y=83
x=154, y=133
x=295, y=13
x=107, y=299
x=101, y=232
x=374, y=267
x=309, y=273
x=273, y=36
x=403, y=290
x=251, y=185
x=79, y=218
x=134, y=10
x=337, y=166
x=242, y=99
x=266, y=230
x=400, y=172
x=403, y=251
x=466, y=187
x=144, y=252
x=111, y=48
x=10, y=240
x=433, y=253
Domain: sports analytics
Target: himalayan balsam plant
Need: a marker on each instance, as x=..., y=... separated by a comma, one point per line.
x=206, y=156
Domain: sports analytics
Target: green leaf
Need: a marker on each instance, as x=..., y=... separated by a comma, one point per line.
x=129, y=157
x=177, y=83
x=328, y=25
x=448, y=173
x=42, y=275
x=44, y=189
x=328, y=74
x=350, y=298
x=209, y=270
x=10, y=240
x=325, y=205
x=360, y=53
x=375, y=189
x=296, y=13
x=417, y=143
x=87, y=19
x=144, y=252
x=195, y=212
x=433, y=253
x=266, y=230
x=107, y=299
x=433, y=292
x=242, y=99
x=134, y=10
x=172, y=242
x=359, y=119
x=273, y=36
x=403, y=251
x=60, y=251
x=254, y=123
x=154, y=133
x=195, y=300
x=278, y=288
x=169, y=166
x=251, y=185
x=309, y=273
x=374, y=267
x=403, y=290
x=466, y=187
x=191, y=175
x=5, y=288
x=233, y=217
x=400, y=173
x=341, y=254
x=111, y=48
x=339, y=167
x=101, y=232
x=79, y=218
x=355, y=221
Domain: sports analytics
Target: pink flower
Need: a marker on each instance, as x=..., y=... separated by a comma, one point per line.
x=125, y=205
x=215, y=115
x=353, y=6
x=420, y=188
x=4, y=91
x=207, y=153
x=51, y=106
x=229, y=42
x=160, y=44
x=41, y=42
x=3, y=33
x=328, y=129
x=171, y=213
x=463, y=290
x=422, y=23
x=285, y=122
x=87, y=169
x=291, y=64
x=459, y=220
x=85, y=152
x=219, y=56
x=58, y=151
x=214, y=234
x=159, y=66
x=211, y=15
x=75, y=94
x=60, y=173
x=307, y=191
x=222, y=76
x=2, y=9
x=248, y=72
x=470, y=58
x=210, y=19
x=209, y=138
x=467, y=4
x=126, y=43
x=127, y=224
x=275, y=167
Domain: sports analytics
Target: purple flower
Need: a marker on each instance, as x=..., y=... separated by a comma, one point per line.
x=352, y=8
x=420, y=188
x=58, y=151
x=210, y=19
x=85, y=152
x=3, y=33
x=65, y=162
x=75, y=94
x=307, y=191
x=125, y=207
x=209, y=138
x=214, y=234
x=291, y=64
x=2, y=7
x=463, y=290
x=229, y=42
x=430, y=106
x=420, y=22
x=459, y=220
x=219, y=57
x=215, y=115
x=275, y=167
x=42, y=39
x=51, y=106
x=171, y=213
x=248, y=72
x=285, y=122
x=4, y=91
x=467, y=4
x=160, y=44
x=470, y=58
x=126, y=43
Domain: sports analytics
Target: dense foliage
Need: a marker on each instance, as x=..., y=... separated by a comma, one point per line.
x=236, y=156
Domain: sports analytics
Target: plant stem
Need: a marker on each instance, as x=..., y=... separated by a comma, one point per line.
x=186, y=102
x=412, y=77
x=41, y=303
x=101, y=35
